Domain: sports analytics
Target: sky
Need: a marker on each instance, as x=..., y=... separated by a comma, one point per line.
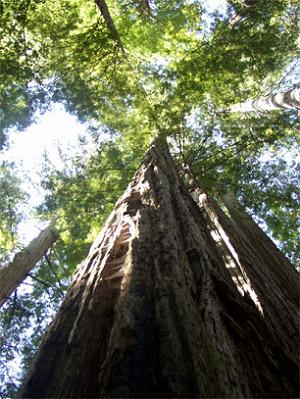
x=53, y=129
x=212, y=5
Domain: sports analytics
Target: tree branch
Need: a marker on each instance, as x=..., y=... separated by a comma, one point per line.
x=55, y=274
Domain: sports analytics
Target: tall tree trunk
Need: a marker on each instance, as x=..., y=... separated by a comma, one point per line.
x=23, y=262
x=274, y=279
x=153, y=310
x=289, y=99
x=101, y=4
x=257, y=267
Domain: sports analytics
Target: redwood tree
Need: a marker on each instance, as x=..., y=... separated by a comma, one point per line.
x=12, y=275
x=289, y=99
x=154, y=311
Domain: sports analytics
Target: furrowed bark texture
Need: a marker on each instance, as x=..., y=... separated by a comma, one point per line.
x=23, y=262
x=257, y=267
x=289, y=99
x=154, y=312
x=274, y=279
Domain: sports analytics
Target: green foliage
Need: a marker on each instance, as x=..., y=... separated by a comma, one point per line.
x=21, y=91
x=63, y=51
x=272, y=194
x=24, y=319
x=10, y=213
x=82, y=195
x=240, y=61
x=231, y=157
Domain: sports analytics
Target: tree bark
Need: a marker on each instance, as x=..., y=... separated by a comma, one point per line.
x=23, y=262
x=153, y=310
x=257, y=267
x=274, y=279
x=145, y=7
x=289, y=99
x=104, y=10
x=242, y=15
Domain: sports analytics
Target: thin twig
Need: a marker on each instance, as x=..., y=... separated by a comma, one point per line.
x=47, y=285
x=55, y=274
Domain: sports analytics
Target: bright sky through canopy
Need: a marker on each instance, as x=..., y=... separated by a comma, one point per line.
x=54, y=129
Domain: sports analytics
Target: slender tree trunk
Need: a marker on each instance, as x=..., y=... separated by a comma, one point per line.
x=242, y=15
x=101, y=4
x=153, y=310
x=289, y=99
x=23, y=262
x=145, y=8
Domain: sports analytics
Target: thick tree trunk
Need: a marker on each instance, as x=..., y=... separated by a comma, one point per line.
x=23, y=262
x=101, y=4
x=289, y=99
x=257, y=267
x=274, y=279
x=153, y=310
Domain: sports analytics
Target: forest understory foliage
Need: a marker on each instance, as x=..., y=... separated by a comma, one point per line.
x=131, y=71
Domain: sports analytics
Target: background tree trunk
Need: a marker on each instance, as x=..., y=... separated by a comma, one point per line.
x=242, y=15
x=23, y=262
x=153, y=311
x=104, y=10
x=289, y=99
x=145, y=8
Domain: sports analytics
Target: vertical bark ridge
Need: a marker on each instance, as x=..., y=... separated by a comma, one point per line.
x=75, y=345
x=172, y=324
x=256, y=265
x=213, y=217
x=229, y=255
x=274, y=278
